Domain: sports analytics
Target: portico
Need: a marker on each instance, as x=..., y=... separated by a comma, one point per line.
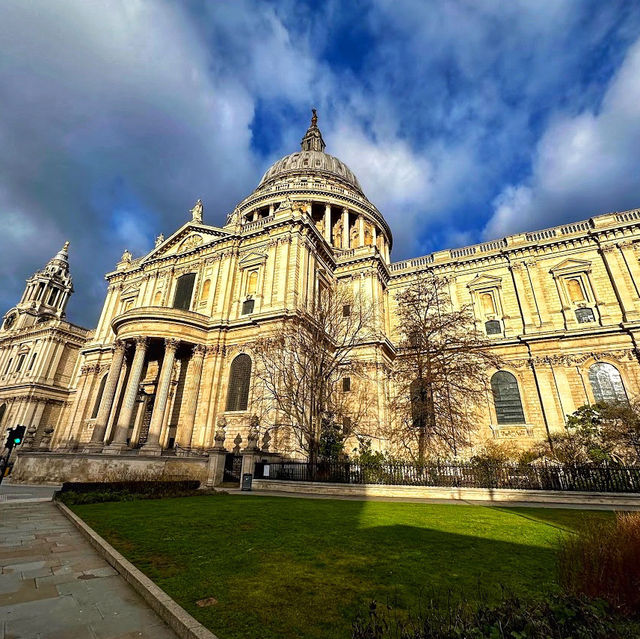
x=148, y=405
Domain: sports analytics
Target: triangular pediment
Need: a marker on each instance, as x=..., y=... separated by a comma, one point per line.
x=571, y=264
x=252, y=258
x=483, y=280
x=130, y=291
x=187, y=238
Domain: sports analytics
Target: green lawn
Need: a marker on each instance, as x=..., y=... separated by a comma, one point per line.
x=284, y=567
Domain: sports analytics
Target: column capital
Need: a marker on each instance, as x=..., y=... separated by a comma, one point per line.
x=141, y=341
x=171, y=344
x=199, y=350
x=119, y=345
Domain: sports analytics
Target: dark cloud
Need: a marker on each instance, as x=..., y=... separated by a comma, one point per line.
x=115, y=116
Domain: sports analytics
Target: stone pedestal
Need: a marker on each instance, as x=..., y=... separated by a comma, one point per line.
x=215, y=468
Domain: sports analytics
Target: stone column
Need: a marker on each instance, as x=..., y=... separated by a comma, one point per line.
x=119, y=441
x=620, y=281
x=536, y=281
x=195, y=372
x=629, y=256
x=523, y=294
x=345, y=228
x=374, y=236
x=106, y=403
x=327, y=223
x=360, y=230
x=152, y=445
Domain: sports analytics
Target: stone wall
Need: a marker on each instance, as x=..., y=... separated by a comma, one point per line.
x=629, y=501
x=42, y=468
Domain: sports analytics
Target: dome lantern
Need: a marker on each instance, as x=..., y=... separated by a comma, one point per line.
x=312, y=140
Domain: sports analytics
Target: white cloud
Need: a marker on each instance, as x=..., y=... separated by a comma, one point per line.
x=583, y=165
x=395, y=178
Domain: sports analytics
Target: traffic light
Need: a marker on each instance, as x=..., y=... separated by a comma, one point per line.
x=14, y=437
x=18, y=434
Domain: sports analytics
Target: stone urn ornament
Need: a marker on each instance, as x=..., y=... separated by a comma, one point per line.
x=29, y=438
x=220, y=434
x=254, y=433
x=45, y=440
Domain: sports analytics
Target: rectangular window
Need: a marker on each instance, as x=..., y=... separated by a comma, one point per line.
x=584, y=315
x=346, y=384
x=346, y=310
x=8, y=368
x=247, y=307
x=33, y=360
x=184, y=290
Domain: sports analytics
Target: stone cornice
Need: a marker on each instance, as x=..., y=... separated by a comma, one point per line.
x=610, y=227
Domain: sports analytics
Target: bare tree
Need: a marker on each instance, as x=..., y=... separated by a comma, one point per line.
x=440, y=372
x=310, y=368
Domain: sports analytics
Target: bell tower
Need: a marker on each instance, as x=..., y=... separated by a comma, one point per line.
x=45, y=296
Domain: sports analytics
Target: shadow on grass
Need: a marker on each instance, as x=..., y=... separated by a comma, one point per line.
x=304, y=568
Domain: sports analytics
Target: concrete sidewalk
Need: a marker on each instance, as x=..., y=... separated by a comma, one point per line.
x=15, y=493
x=53, y=585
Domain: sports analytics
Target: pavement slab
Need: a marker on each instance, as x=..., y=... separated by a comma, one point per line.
x=54, y=585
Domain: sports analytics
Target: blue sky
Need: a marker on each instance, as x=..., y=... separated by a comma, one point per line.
x=463, y=120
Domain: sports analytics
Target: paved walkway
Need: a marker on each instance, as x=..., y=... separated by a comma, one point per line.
x=53, y=585
x=23, y=492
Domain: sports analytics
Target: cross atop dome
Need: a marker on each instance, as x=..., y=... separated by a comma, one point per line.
x=312, y=140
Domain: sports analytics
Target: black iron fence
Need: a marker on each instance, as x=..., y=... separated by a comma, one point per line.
x=622, y=479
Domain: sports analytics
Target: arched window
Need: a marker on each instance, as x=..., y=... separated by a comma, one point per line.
x=239, y=379
x=96, y=406
x=184, y=290
x=606, y=383
x=206, y=289
x=576, y=294
x=421, y=403
x=488, y=306
x=252, y=283
x=506, y=397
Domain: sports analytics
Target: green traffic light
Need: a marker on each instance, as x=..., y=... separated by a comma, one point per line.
x=17, y=440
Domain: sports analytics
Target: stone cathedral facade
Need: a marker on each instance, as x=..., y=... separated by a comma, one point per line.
x=166, y=378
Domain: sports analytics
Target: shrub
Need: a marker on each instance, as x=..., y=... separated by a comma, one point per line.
x=559, y=617
x=603, y=560
x=96, y=492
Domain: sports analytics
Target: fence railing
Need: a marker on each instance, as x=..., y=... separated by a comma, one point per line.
x=622, y=479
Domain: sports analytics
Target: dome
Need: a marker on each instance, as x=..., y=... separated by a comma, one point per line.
x=311, y=159
x=311, y=162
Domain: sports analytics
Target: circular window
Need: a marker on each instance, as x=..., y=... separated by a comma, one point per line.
x=10, y=321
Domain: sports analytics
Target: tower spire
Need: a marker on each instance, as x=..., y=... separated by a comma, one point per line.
x=312, y=140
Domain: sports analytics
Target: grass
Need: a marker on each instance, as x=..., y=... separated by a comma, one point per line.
x=285, y=567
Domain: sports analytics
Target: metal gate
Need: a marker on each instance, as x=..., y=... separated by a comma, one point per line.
x=232, y=468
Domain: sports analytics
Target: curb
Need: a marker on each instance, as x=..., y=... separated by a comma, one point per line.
x=29, y=500
x=176, y=617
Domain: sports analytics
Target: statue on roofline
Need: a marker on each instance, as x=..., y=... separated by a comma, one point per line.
x=197, y=211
